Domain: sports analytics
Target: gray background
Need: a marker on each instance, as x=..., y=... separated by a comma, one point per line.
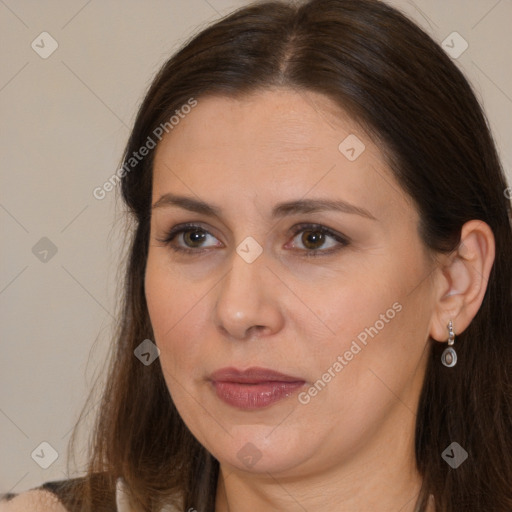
x=64, y=122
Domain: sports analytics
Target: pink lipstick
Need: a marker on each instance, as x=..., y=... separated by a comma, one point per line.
x=253, y=388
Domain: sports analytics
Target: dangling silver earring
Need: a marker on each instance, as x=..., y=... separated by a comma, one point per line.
x=449, y=356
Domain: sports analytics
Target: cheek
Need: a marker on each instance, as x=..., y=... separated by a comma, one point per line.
x=357, y=306
x=175, y=310
x=372, y=359
x=376, y=319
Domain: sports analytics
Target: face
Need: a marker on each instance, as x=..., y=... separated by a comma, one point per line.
x=336, y=299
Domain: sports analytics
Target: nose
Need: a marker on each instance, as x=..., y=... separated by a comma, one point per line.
x=248, y=302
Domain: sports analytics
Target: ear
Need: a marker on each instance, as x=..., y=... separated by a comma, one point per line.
x=461, y=280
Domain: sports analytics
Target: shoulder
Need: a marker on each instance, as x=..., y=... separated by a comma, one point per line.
x=65, y=495
x=104, y=493
x=35, y=500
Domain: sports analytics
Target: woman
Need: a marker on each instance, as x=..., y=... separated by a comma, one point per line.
x=318, y=295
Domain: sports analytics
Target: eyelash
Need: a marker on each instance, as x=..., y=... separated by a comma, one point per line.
x=317, y=228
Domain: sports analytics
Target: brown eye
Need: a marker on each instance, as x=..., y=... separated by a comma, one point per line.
x=191, y=237
x=313, y=239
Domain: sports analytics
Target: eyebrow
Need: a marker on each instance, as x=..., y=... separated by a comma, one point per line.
x=280, y=210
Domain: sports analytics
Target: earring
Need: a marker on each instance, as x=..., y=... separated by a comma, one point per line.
x=449, y=356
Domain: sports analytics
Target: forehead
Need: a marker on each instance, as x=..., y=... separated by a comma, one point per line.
x=279, y=120
x=275, y=143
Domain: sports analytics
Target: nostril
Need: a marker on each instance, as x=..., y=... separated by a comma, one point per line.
x=259, y=329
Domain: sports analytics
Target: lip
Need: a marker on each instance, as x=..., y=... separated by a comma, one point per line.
x=253, y=375
x=253, y=388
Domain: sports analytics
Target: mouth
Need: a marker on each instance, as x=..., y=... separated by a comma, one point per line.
x=253, y=388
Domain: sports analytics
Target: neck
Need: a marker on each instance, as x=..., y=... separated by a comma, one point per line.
x=380, y=477
x=271, y=494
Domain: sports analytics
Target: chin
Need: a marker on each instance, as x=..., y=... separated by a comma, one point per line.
x=263, y=449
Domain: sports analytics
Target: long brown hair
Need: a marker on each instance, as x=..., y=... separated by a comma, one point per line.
x=397, y=82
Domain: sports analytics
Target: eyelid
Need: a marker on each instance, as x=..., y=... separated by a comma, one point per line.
x=294, y=230
x=182, y=228
x=311, y=226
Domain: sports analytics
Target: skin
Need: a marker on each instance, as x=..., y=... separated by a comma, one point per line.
x=351, y=447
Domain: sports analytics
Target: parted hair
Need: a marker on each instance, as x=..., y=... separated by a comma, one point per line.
x=394, y=80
